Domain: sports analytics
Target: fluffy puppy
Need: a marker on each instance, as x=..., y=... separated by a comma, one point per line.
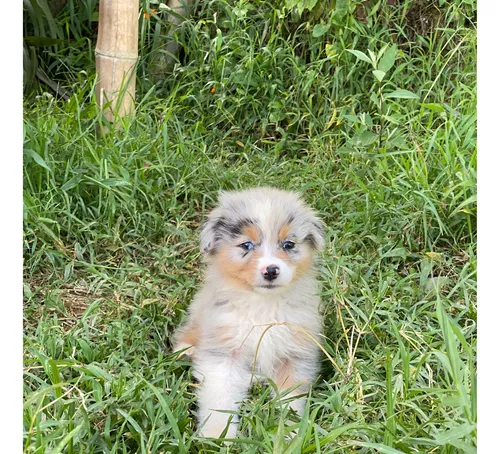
x=258, y=309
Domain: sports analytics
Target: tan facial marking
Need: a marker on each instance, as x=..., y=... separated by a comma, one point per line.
x=284, y=232
x=241, y=273
x=302, y=266
x=251, y=232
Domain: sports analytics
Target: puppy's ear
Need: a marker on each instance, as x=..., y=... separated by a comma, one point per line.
x=208, y=237
x=316, y=235
x=213, y=226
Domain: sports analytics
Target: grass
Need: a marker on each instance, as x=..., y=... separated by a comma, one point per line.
x=111, y=240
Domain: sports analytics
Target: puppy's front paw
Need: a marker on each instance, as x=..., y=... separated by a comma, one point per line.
x=215, y=428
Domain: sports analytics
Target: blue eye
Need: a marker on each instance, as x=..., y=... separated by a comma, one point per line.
x=247, y=246
x=287, y=245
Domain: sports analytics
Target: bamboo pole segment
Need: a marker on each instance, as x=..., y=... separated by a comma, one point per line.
x=116, y=57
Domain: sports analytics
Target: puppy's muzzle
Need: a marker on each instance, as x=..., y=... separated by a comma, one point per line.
x=270, y=272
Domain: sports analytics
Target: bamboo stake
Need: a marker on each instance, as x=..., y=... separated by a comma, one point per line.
x=116, y=57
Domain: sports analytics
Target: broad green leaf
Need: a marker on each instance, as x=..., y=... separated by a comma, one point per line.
x=434, y=107
x=397, y=141
x=341, y=8
x=276, y=117
x=360, y=55
x=320, y=30
x=402, y=94
x=382, y=51
x=388, y=59
x=309, y=4
x=373, y=58
x=379, y=74
x=365, y=138
x=27, y=290
x=301, y=5
x=374, y=98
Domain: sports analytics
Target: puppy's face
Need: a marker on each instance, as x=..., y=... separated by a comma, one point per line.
x=262, y=239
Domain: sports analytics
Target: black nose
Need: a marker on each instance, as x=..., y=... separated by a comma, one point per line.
x=271, y=272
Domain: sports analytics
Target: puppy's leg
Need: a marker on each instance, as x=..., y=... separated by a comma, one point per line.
x=186, y=337
x=297, y=374
x=224, y=383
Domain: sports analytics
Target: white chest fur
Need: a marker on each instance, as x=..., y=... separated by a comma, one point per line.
x=263, y=330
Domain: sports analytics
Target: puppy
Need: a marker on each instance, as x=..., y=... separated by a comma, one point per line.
x=258, y=310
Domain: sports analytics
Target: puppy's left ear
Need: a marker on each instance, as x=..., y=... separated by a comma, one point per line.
x=316, y=235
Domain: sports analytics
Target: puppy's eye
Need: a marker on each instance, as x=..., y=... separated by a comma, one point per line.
x=287, y=245
x=247, y=246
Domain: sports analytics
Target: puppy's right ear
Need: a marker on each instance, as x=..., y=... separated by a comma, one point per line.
x=214, y=226
x=208, y=236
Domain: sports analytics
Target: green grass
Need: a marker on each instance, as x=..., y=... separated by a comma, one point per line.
x=111, y=239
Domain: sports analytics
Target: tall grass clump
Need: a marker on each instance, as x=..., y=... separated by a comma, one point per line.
x=369, y=110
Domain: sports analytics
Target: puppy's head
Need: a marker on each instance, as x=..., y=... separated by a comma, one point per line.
x=262, y=239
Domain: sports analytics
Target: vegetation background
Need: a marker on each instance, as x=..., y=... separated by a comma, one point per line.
x=367, y=108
